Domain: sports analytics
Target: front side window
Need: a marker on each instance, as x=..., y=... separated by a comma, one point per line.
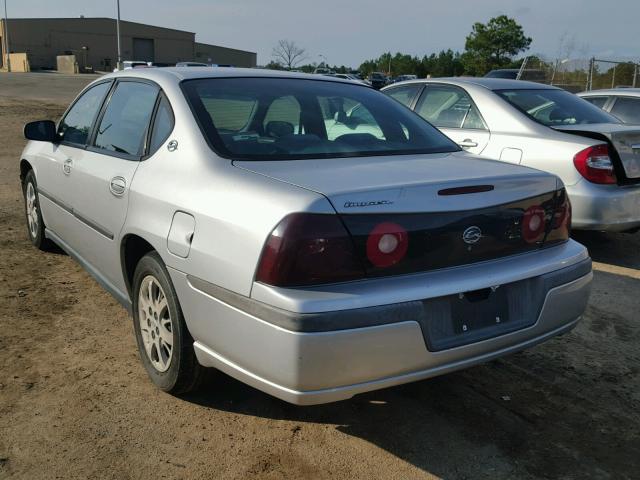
x=555, y=107
x=627, y=109
x=282, y=119
x=76, y=125
x=449, y=107
x=405, y=94
x=124, y=125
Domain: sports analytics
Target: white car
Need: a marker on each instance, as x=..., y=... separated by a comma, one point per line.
x=543, y=127
x=251, y=223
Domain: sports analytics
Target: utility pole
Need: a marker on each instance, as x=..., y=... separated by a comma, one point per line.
x=119, y=64
x=6, y=37
x=592, y=65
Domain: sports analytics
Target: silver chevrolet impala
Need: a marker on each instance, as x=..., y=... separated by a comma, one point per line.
x=307, y=235
x=544, y=127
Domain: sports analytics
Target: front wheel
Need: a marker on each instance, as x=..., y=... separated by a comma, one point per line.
x=35, y=223
x=164, y=343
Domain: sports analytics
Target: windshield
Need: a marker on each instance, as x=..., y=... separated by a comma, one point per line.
x=556, y=107
x=285, y=119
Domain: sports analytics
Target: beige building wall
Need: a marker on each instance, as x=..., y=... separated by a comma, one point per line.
x=43, y=39
x=223, y=55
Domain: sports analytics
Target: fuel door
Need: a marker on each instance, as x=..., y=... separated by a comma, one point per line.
x=181, y=234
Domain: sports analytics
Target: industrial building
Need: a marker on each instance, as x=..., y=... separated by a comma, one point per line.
x=93, y=41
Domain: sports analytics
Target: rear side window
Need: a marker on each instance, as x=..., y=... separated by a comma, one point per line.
x=449, y=107
x=597, y=101
x=405, y=94
x=627, y=109
x=76, y=125
x=124, y=125
x=162, y=125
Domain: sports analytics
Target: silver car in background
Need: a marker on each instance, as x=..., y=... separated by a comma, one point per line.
x=622, y=103
x=307, y=235
x=544, y=127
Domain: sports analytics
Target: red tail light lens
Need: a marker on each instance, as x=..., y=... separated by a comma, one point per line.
x=307, y=249
x=533, y=224
x=387, y=244
x=594, y=164
x=561, y=221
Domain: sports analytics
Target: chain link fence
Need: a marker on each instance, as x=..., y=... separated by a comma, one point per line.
x=578, y=74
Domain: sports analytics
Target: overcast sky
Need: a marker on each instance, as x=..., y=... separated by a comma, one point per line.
x=350, y=31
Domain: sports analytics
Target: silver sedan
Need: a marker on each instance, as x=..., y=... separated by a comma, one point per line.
x=307, y=235
x=544, y=127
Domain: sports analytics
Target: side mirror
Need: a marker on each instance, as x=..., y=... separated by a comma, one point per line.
x=42, y=131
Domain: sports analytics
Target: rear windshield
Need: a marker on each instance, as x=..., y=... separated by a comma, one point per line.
x=286, y=119
x=555, y=107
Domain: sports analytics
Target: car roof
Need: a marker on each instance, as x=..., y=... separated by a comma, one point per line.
x=631, y=92
x=188, y=73
x=488, y=83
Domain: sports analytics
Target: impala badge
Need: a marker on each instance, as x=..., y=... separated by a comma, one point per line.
x=472, y=235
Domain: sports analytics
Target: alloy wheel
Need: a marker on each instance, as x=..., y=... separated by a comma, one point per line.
x=32, y=209
x=155, y=323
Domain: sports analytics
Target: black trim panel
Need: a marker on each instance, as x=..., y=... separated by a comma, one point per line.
x=67, y=208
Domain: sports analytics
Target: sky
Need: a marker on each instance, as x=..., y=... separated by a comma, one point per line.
x=351, y=31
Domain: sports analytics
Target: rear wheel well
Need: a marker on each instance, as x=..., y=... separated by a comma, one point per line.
x=132, y=250
x=25, y=166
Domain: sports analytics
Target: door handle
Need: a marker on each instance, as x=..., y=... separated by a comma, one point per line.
x=66, y=166
x=117, y=186
x=468, y=143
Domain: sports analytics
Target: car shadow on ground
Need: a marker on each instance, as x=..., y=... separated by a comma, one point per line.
x=518, y=417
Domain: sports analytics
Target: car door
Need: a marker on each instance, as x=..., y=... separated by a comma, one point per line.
x=55, y=161
x=453, y=112
x=103, y=173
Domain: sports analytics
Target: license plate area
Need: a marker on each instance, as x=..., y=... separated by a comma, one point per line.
x=472, y=311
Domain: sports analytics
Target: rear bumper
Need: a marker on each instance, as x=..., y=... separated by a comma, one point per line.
x=327, y=363
x=605, y=207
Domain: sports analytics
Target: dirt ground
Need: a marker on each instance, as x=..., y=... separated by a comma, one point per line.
x=75, y=401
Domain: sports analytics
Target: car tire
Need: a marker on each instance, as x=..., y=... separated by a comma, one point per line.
x=33, y=214
x=164, y=342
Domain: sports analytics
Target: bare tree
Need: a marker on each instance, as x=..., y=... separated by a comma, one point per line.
x=288, y=54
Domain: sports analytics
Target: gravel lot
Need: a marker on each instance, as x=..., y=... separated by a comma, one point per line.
x=75, y=401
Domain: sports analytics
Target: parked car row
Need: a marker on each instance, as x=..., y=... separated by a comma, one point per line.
x=315, y=238
x=544, y=127
x=129, y=64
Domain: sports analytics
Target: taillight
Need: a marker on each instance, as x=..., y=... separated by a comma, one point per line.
x=533, y=224
x=387, y=244
x=307, y=249
x=594, y=164
x=561, y=219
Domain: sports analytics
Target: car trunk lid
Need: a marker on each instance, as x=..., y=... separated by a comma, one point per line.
x=408, y=183
x=441, y=210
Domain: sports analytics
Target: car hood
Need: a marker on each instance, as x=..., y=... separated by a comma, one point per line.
x=407, y=183
x=624, y=138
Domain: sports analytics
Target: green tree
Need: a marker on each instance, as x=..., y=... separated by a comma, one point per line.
x=492, y=45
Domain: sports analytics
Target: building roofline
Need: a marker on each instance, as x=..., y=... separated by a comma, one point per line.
x=97, y=18
x=222, y=46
